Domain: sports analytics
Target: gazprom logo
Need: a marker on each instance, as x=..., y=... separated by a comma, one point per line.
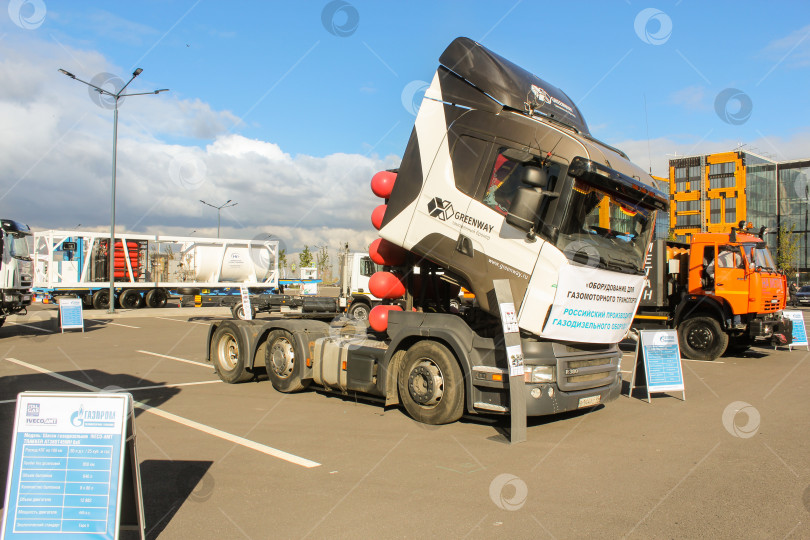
x=664, y=339
x=77, y=418
x=440, y=208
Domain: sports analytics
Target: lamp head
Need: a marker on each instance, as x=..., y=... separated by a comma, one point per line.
x=69, y=74
x=137, y=72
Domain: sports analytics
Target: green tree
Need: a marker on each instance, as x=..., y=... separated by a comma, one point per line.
x=305, y=257
x=322, y=261
x=282, y=261
x=788, y=250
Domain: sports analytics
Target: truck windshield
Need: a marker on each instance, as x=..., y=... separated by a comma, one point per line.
x=19, y=246
x=603, y=230
x=759, y=257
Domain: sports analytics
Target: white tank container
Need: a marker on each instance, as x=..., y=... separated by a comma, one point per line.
x=209, y=263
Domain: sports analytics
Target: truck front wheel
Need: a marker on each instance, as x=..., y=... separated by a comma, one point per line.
x=702, y=338
x=359, y=311
x=101, y=299
x=229, y=354
x=431, y=386
x=284, y=366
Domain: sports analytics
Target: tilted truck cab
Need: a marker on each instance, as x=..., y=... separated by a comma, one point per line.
x=500, y=180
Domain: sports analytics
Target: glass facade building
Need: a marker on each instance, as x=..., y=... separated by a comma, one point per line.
x=714, y=192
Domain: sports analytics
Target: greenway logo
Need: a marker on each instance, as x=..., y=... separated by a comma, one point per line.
x=439, y=208
x=443, y=211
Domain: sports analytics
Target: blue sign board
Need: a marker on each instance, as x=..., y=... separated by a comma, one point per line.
x=659, y=355
x=70, y=313
x=799, y=331
x=66, y=467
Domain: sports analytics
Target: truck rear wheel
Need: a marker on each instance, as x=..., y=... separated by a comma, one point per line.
x=130, y=299
x=101, y=299
x=359, y=311
x=284, y=366
x=702, y=338
x=156, y=298
x=431, y=386
x=229, y=354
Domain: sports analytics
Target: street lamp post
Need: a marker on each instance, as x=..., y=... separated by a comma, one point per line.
x=116, y=96
x=219, y=210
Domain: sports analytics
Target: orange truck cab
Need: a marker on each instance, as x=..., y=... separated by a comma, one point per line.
x=721, y=291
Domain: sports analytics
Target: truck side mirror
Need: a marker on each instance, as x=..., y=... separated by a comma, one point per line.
x=523, y=210
x=534, y=176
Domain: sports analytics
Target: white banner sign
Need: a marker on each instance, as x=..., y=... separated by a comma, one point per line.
x=246, y=309
x=593, y=303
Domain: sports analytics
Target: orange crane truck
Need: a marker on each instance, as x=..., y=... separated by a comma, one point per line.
x=721, y=291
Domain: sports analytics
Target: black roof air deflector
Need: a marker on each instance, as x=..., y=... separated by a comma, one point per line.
x=508, y=83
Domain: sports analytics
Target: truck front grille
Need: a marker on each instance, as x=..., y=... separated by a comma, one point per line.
x=581, y=374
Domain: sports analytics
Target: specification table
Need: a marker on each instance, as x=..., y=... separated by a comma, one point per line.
x=64, y=488
x=66, y=466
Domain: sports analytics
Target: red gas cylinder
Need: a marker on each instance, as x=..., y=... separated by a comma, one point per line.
x=377, y=216
x=378, y=318
x=383, y=183
x=386, y=285
x=384, y=252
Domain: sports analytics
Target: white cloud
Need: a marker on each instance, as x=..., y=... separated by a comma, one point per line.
x=691, y=98
x=794, y=48
x=55, y=163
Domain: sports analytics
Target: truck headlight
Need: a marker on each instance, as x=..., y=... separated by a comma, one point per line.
x=539, y=374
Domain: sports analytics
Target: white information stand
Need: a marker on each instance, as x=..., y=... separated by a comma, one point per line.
x=514, y=354
x=70, y=313
x=73, y=471
x=248, y=312
x=658, y=355
x=799, y=330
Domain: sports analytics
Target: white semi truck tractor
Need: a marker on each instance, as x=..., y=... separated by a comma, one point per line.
x=500, y=180
x=16, y=268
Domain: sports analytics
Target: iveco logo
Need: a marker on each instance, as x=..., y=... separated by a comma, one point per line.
x=439, y=208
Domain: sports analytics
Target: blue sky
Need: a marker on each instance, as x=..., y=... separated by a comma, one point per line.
x=289, y=110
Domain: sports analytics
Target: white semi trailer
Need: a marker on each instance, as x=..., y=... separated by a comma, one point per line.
x=501, y=183
x=148, y=268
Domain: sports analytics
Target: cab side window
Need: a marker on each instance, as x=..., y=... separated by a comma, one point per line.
x=503, y=183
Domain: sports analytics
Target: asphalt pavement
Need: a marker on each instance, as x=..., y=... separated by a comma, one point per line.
x=244, y=461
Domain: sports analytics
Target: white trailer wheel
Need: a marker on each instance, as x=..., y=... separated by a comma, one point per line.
x=284, y=366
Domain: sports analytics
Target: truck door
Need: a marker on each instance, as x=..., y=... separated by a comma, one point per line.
x=730, y=281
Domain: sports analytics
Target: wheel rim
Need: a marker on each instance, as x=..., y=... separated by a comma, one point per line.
x=282, y=357
x=228, y=352
x=426, y=383
x=240, y=312
x=700, y=338
x=360, y=313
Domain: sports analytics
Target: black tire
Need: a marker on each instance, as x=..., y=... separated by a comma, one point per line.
x=284, y=364
x=101, y=299
x=702, y=338
x=359, y=311
x=87, y=301
x=238, y=311
x=189, y=291
x=2, y=321
x=431, y=385
x=130, y=299
x=156, y=298
x=229, y=354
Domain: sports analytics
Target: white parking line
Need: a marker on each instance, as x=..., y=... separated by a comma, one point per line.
x=247, y=443
x=176, y=359
x=178, y=320
x=134, y=388
x=34, y=327
x=112, y=323
x=702, y=361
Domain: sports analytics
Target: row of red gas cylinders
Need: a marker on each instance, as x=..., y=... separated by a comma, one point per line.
x=388, y=285
x=120, y=262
